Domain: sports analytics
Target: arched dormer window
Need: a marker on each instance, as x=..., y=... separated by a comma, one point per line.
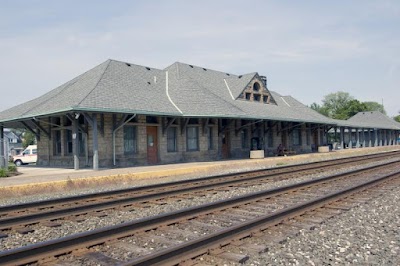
x=256, y=86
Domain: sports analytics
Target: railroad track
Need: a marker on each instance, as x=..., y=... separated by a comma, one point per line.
x=51, y=213
x=192, y=232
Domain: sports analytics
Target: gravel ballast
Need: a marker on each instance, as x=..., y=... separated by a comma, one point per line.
x=373, y=240
x=368, y=234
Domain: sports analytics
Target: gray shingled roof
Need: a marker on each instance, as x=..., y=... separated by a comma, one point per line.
x=193, y=91
x=374, y=119
x=112, y=86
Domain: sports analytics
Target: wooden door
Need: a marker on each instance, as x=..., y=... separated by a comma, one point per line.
x=152, y=150
x=225, y=145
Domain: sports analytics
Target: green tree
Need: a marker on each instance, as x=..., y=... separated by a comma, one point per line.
x=319, y=109
x=336, y=104
x=341, y=105
x=374, y=106
x=355, y=106
x=28, y=139
x=397, y=118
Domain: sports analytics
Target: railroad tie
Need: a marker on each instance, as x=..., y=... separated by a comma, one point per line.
x=24, y=230
x=102, y=259
x=235, y=257
x=130, y=247
x=301, y=225
x=251, y=248
x=314, y=220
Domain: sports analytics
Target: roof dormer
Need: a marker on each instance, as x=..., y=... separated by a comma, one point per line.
x=257, y=91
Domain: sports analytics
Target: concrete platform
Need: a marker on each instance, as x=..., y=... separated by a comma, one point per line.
x=34, y=179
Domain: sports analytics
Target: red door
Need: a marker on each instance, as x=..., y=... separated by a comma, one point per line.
x=152, y=155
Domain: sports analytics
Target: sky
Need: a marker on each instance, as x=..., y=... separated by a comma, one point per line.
x=307, y=49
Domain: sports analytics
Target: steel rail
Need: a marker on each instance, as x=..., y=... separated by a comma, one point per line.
x=29, y=219
x=202, y=246
x=281, y=169
x=64, y=245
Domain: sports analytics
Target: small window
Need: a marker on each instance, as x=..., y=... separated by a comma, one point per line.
x=257, y=97
x=34, y=151
x=193, y=121
x=210, y=138
x=171, y=139
x=265, y=98
x=256, y=86
x=151, y=120
x=192, y=138
x=130, y=141
x=248, y=96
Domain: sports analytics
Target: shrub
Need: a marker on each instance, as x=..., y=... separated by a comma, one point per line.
x=3, y=172
x=12, y=168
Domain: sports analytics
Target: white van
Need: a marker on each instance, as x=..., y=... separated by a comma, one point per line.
x=29, y=155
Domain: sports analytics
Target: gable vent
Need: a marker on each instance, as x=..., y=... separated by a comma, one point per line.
x=191, y=66
x=204, y=69
x=148, y=68
x=227, y=74
x=148, y=82
x=128, y=64
x=240, y=76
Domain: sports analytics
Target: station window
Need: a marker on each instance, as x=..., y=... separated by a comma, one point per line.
x=130, y=140
x=210, y=138
x=57, y=142
x=270, y=139
x=248, y=96
x=192, y=138
x=69, y=143
x=265, y=98
x=244, y=137
x=296, y=137
x=308, y=136
x=171, y=139
x=257, y=97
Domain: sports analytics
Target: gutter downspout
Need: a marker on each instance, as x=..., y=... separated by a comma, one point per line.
x=113, y=135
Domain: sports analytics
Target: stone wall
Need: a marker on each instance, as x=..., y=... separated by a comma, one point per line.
x=46, y=156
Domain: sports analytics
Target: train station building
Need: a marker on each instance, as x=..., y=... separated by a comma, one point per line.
x=119, y=114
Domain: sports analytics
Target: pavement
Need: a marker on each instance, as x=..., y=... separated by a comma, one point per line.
x=35, y=179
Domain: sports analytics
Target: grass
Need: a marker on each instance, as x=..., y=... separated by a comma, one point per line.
x=280, y=164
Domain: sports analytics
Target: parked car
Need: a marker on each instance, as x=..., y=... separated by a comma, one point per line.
x=29, y=155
